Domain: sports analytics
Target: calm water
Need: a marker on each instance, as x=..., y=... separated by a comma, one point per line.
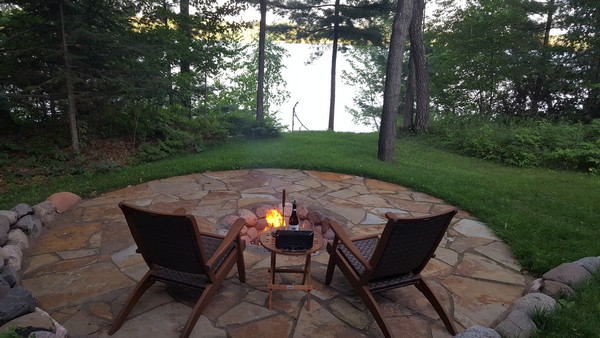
x=309, y=85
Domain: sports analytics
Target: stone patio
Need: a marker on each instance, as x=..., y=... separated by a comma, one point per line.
x=82, y=267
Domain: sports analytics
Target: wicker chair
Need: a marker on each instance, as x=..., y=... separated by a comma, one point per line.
x=177, y=252
x=392, y=260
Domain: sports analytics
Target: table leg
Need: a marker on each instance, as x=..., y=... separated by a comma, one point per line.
x=272, y=277
x=306, y=280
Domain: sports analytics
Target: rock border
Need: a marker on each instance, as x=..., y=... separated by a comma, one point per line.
x=17, y=226
x=540, y=297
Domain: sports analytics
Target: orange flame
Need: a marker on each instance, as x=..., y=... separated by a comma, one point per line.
x=274, y=219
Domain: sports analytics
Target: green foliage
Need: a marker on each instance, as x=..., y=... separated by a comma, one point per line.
x=491, y=57
x=368, y=68
x=526, y=143
x=10, y=333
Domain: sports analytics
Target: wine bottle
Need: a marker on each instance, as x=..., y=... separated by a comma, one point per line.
x=294, y=222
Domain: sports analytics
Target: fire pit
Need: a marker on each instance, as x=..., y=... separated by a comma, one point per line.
x=266, y=217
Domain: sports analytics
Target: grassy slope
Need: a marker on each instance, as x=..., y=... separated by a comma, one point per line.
x=546, y=217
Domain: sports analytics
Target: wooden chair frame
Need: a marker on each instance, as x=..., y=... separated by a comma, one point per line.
x=191, y=264
x=366, y=274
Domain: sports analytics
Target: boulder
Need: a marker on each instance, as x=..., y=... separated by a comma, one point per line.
x=315, y=217
x=11, y=215
x=28, y=223
x=4, y=228
x=557, y=290
x=570, y=274
x=261, y=224
x=16, y=303
x=516, y=325
x=228, y=221
x=261, y=211
x=63, y=201
x=4, y=288
x=478, y=332
x=45, y=212
x=14, y=256
x=9, y=275
x=302, y=211
x=535, y=303
x=536, y=286
x=248, y=216
x=19, y=238
x=22, y=209
x=591, y=264
x=39, y=323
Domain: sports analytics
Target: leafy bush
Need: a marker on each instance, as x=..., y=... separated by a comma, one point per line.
x=523, y=143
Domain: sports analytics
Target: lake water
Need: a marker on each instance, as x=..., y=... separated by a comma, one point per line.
x=309, y=85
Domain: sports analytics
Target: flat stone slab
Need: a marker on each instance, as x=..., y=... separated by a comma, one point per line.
x=84, y=265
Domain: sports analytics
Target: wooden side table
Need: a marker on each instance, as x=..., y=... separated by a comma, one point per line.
x=268, y=241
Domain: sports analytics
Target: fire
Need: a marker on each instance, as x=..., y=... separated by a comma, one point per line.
x=274, y=219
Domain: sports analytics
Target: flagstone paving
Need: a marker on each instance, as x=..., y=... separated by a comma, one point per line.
x=83, y=266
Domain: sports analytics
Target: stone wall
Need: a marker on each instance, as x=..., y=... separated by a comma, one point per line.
x=17, y=226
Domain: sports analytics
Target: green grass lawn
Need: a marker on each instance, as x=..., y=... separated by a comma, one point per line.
x=547, y=217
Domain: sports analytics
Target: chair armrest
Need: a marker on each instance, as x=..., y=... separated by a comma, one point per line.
x=394, y=217
x=231, y=236
x=343, y=237
x=179, y=211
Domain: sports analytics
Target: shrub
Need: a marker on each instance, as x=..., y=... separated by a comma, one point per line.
x=523, y=143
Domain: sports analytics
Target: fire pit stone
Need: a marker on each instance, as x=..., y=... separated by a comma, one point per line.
x=256, y=221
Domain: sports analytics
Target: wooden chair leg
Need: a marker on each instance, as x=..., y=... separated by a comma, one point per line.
x=330, y=264
x=241, y=267
x=133, y=298
x=434, y=301
x=367, y=297
x=202, y=302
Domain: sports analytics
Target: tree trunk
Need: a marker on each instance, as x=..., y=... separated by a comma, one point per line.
x=69, y=83
x=391, y=92
x=409, y=98
x=417, y=49
x=170, y=92
x=262, y=36
x=184, y=64
x=545, y=82
x=336, y=33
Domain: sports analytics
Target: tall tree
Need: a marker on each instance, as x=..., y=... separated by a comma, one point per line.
x=391, y=95
x=186, y=41
x=334, y=53
x=417, y=53
x=581, y=19
x=262, y=37
x=482, y=57
x=69, y=82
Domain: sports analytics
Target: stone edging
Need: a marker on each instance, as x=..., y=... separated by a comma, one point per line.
x=17, y=226
x=540, y=297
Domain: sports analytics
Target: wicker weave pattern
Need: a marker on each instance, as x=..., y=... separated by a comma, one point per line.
x=389, y=283
x=408, y=247
x=211, y=244
x=366, y=248
x=182, y=278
